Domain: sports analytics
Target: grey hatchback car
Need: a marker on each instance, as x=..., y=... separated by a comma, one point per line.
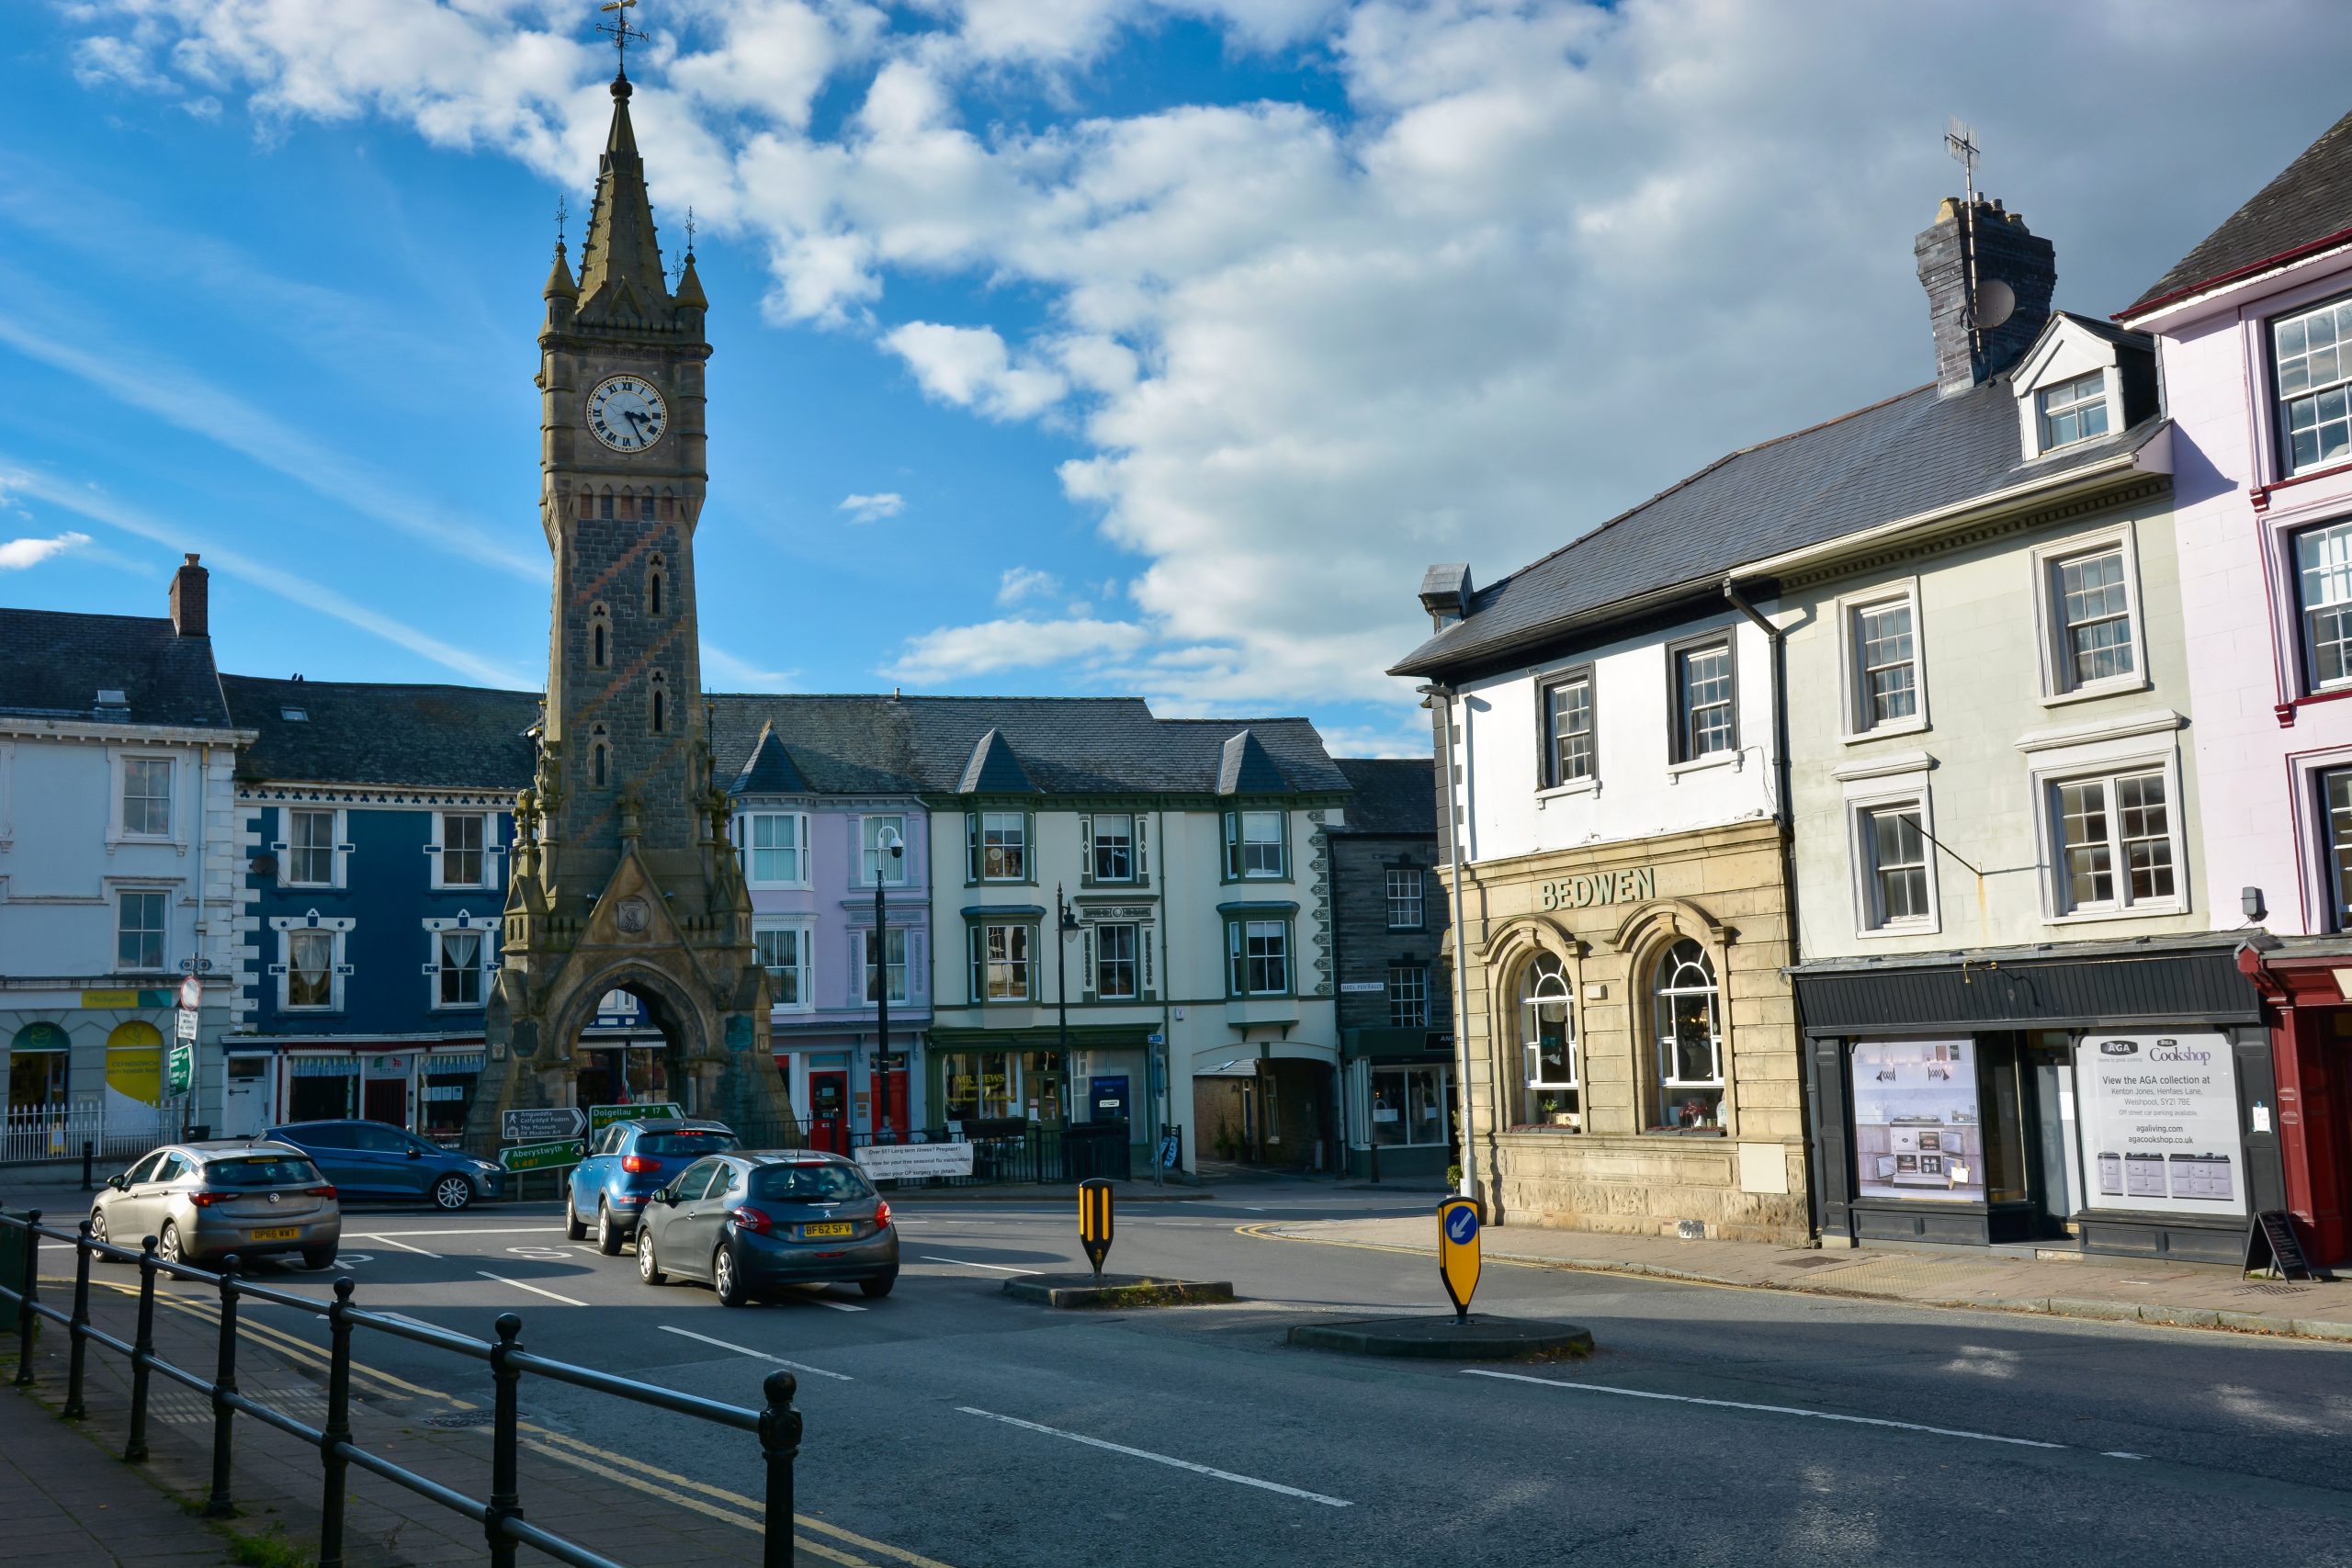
x=749, y=1223
x=203, y=1202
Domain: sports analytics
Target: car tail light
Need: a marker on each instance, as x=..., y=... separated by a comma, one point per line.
x=318, y=1191
x=881, y=1212
x=754, y=1220
x=637, y=1164
x=206, y=1200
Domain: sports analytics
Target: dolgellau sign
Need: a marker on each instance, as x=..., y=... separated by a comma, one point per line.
x=2160, y=1124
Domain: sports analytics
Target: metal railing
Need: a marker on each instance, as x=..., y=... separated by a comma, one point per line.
x=501, y=1514
x=35, y=1133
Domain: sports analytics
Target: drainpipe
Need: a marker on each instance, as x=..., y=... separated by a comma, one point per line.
x=203, y=930
x=1784, y=813
x=1167, y=1097
x=1435, y=693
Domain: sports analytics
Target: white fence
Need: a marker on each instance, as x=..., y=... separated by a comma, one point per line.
x=31, y=1133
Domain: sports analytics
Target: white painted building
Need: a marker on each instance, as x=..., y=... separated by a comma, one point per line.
x=117, y=868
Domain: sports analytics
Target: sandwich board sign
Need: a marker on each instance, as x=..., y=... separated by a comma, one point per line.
x=1458, y=1223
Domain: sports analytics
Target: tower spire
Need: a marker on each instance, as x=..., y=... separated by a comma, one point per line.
x=621, y=276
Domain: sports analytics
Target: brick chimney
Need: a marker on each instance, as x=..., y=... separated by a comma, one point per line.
x=2007, y=255
x=188, y=593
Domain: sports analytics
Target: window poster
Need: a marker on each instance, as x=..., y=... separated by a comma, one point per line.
x=1915, y=1132
x=2160, y=1123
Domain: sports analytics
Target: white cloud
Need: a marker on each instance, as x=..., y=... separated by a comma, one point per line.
x=955, y=653
x=17, y=553
x=1021, y=582
x=742, y=674
x=1553, y=257
x=971, y=367
x=872, y=508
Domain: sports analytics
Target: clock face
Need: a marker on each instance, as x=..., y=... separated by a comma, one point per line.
x=626, y=413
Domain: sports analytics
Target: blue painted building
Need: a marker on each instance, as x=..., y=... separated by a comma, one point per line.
x=373, y=822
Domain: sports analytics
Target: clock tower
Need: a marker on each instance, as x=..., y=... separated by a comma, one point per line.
x=623, y=878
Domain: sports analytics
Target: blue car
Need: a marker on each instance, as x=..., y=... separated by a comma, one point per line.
x=374, y=1159
x=627, y=1163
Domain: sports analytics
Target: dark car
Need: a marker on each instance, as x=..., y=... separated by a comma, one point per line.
x=749, y=1223
x=626, y=1164
x=374, y=1159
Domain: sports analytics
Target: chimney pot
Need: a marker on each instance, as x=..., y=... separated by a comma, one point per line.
x=190, y=591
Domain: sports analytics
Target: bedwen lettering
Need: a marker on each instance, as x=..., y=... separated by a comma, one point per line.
x=1602, y=887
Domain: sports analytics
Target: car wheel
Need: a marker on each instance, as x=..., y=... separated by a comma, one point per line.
x=452, y=1192
x=167, y=1247
x=648, y=1271
x=574, y=1227
x=98, y=1230
x=877, y=1289
x=608, y=1235
x=317, y=1258
x=727, y=1282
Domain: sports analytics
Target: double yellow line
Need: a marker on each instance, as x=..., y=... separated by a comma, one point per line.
x=715, y=1502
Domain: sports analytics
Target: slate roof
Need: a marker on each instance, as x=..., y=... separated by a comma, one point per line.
x=771, y=770
x=1244, y=768
x=1393, y=795
x=357, y=732
x=54, y=664
x=993, y=769
x=910, y=745
x=1915, y=452
x=2309, y=202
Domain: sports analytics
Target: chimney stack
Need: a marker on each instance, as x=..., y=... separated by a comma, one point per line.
x=2004, y=252
x=189, y=616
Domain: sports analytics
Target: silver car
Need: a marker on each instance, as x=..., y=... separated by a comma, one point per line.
x=203, y=1202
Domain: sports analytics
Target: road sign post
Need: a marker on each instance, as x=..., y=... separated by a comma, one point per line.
x=541, y=1125
x=1094, y=1201
x=1459, y=1221
x=181, y=1068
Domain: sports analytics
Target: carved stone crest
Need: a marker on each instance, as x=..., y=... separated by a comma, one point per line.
x=633, y=914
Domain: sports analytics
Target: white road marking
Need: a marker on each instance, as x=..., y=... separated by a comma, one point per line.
x=533, y=1288
x=756, y=1355
x=1770, y=1409
x=1161, y=1459
x=500, y=1230
x=837, y=1306
x=2118, y=1453
x=402, y=1245
x=967, y=1263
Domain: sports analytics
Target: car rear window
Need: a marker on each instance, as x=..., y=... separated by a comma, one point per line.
x=685, y=1144
x=260, y=1171
x=810, y=1183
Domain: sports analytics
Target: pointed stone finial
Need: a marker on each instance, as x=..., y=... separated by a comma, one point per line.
x=559, y=283
x=688, y=293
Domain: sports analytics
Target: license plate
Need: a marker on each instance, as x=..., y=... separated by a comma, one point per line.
x=835, y=1227
x=282, y=1233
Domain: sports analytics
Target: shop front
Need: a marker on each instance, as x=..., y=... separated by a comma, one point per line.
x=1399, y=1104
x=843, y=1095
x=2107, y=1097
x=2307, y=981
x=424, y=1087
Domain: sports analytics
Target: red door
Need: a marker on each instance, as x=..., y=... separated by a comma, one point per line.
x=890, y=1106
x=829, y=1111
x=384, y=1099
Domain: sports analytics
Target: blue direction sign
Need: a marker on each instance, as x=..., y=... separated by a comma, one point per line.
x=1458, y=1223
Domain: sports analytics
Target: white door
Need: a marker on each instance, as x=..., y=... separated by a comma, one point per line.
x=245, y=1109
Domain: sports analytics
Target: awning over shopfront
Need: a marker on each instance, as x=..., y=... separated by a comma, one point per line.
x=2086, y=985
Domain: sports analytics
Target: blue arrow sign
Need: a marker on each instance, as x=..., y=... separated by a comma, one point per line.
x=1461, y=1226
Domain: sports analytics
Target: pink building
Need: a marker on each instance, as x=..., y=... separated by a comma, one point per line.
x=2253, y=329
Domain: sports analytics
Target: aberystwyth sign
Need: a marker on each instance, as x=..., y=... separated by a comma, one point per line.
x=1600, y=887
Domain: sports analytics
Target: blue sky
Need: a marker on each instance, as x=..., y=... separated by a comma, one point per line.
x=1174, y=337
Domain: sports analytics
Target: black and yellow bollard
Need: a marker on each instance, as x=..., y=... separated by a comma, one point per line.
x=1094, y=1201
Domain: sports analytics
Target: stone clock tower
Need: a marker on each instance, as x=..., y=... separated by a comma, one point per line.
x=622, y=875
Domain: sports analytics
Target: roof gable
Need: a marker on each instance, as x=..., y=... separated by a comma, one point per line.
x=993, y=769
x=2308, y=206
x=771, y=770
x=1245, y=769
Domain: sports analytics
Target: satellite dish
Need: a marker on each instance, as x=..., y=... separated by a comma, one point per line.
x=1996, y=303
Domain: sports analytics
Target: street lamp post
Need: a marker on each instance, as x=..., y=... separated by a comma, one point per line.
x=889, y=848
x=1066, y=923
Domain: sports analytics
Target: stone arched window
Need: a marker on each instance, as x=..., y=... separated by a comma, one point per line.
x=657, y=584
x=660, y=704
x=600, y=758
x=1547, y=1029
x=1686, y=1011
x=600, y=637
x=604, y=505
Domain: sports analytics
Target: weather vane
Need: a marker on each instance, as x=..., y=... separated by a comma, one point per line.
x=562, y=211
x=690, y=233
x=620, y=30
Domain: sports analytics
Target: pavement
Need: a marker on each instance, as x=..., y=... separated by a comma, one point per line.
x=947, y=1425
x=70, y=1506
x=2108, y=1289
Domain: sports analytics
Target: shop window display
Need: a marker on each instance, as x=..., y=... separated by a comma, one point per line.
x=1408, y=1107
x=1917, y=1132
x=1555, y=1092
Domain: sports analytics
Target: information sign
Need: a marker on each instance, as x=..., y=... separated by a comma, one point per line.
x=2159, y=1120
x=603, y=1116
x=547, y=1122
x=901, y=1162
x=184, y=1023
x=2272, y=1246
x=1458, y=1223
x=181, y=1070
x=1094, y=1203
x=539, y=1156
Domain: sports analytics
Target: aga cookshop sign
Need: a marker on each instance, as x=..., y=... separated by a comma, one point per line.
x=2160, y=1124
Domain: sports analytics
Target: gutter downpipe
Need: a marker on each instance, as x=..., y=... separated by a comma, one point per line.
x=1784, y=813
x=1435, y=693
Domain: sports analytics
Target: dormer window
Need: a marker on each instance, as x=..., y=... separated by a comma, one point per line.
x=2313, y=363
x=2073, y=410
